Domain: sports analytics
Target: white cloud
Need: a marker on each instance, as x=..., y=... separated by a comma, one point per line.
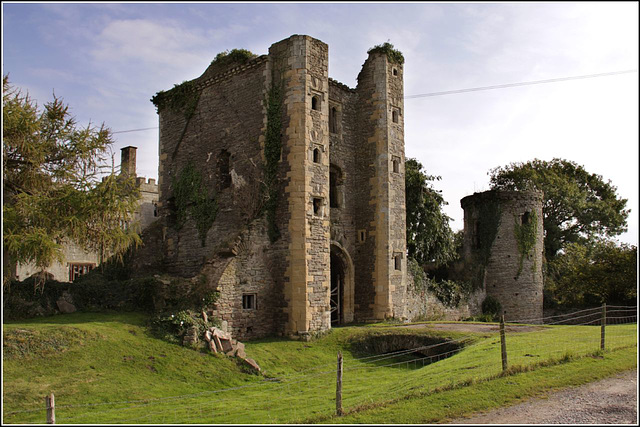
x=154, y=43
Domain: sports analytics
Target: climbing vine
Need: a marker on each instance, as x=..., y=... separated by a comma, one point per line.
x=191, y=199
x=488, y=214
x=526, y=237
x=182, y=98
x=272, y=152
x=393, y=55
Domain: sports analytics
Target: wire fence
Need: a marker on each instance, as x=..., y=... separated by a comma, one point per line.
x=370, y=380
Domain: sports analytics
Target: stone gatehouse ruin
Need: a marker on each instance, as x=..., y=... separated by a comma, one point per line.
x=284, y=190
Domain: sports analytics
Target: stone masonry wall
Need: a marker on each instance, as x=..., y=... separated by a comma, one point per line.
x=344, y=153
x=519, y=292
x=248, y=273
x=395, y=177
x=364, y=257
x=225, y=128
x=301, y=63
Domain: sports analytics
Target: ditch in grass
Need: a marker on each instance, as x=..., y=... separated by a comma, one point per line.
x=403, y=351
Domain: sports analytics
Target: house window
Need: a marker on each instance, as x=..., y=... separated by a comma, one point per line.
x=77, y=269
x=249, y=302
x=316, y=155
x=315, y=103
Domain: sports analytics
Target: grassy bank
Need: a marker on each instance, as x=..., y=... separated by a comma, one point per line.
x=107, y=368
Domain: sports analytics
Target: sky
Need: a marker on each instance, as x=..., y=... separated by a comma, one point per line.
x=106, y=60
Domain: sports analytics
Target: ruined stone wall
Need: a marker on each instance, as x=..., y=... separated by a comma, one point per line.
x=248, y=274
x=362, y=140
x=420, y=304
x=221, y=141
x=517, y=288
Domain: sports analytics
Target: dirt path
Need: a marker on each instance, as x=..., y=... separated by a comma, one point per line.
x=609, y=401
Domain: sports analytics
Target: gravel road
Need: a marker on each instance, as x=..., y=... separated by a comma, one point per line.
x=613, y=400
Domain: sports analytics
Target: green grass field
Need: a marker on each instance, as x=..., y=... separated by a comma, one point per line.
x=107, y=368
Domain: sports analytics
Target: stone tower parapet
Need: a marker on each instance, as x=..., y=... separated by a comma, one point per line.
x=514, y=220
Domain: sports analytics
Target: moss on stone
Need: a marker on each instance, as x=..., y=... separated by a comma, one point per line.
x=393, y=55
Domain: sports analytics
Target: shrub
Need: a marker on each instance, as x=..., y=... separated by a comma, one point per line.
x=492, y=307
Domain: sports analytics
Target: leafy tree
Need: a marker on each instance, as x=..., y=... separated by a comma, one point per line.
x=602, y=272
x=578, y=206
x=429, y=236
x=52, y=189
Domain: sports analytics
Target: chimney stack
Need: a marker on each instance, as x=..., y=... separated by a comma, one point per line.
x=128, y=161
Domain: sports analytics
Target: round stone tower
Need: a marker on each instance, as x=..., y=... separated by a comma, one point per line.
x=503, y=247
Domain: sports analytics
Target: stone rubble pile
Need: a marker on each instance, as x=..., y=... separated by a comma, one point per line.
x=221, y=342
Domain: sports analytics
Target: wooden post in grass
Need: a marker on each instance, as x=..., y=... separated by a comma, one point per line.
x=51, y=409
x=339, y=386
x=503, y=344
x=603, y=323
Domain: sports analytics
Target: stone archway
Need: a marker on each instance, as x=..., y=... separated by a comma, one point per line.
x=342, y=286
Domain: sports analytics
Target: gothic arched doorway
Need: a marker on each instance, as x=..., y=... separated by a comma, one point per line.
x=341, y=296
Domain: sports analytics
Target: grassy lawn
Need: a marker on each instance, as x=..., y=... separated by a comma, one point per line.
x=106, y=368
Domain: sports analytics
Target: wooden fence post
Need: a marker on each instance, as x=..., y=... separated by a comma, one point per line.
x=602, y=326
x=51, y=409
x=503, y=344
x=339, y=386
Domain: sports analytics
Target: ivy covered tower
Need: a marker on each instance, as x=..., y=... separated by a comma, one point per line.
x=503, y=249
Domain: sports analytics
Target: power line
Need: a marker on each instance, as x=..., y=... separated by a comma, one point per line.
x=535, y=82
x=134, y=130
x=475, y=89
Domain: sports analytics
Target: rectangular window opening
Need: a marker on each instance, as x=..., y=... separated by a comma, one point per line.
x=249, y=302
x=397, y=260
x=317, y=206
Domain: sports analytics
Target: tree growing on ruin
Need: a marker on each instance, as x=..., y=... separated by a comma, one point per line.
x=56, y=187
x=429, y=236
x=578, y=206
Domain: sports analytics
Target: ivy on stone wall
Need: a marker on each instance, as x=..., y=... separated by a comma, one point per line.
x=190, y=198
x=393, y=55
x=488, y=214
x=182, y=98
x=272, y=152
x=526, y=237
